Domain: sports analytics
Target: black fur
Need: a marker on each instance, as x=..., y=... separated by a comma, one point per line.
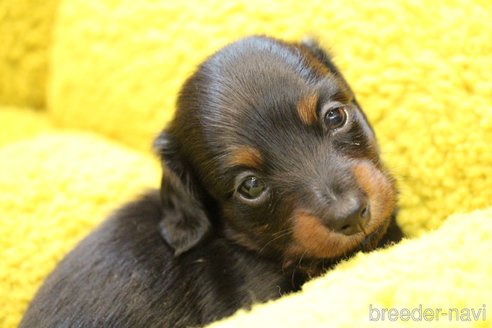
x=194, y=252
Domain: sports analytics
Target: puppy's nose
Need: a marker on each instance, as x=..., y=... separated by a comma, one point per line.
x=354, y=220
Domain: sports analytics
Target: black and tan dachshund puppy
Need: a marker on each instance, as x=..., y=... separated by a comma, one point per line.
x=271, y=175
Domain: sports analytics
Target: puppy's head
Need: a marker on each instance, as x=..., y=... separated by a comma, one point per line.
x=270, y=148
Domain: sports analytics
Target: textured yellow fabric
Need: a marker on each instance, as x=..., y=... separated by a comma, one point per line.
x=21, y=124
x=421, y=70
x=446, y=269
x=53, y=190
x=25, y=34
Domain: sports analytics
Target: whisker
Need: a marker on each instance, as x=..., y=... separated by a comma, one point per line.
x=279, y=234
x=282, y=231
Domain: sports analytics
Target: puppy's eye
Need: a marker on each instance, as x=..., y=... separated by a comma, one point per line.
x=252, y=187
x=335, y=116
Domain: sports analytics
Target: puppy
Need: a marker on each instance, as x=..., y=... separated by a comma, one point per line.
x=271, y=175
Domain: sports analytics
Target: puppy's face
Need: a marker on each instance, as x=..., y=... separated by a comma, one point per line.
x=271, y=135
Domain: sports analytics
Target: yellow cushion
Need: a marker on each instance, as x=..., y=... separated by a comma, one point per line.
x=53, y=190
x=25, y=30
x=420, y=69
x=19, y=124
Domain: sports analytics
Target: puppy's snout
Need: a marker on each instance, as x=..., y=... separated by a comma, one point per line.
x=351, y=217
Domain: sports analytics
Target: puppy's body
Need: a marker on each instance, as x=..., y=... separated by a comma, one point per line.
x=124, y=275
x=271, y=174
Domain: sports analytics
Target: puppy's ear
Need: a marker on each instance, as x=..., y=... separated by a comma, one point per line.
x=184, y=223
x=324, y=57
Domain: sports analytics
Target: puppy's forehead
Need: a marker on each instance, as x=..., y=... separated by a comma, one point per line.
x=260, y=80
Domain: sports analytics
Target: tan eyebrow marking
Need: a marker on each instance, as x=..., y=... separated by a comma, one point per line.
x=316, y=65
x=306, y=108
x=246, y=156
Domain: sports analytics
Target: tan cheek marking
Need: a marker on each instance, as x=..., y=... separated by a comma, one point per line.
x=246, y=156
x=313, y=239
x=380, y=190
x=306, y=108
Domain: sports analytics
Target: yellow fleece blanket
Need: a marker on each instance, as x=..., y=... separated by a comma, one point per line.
x=103, y=76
